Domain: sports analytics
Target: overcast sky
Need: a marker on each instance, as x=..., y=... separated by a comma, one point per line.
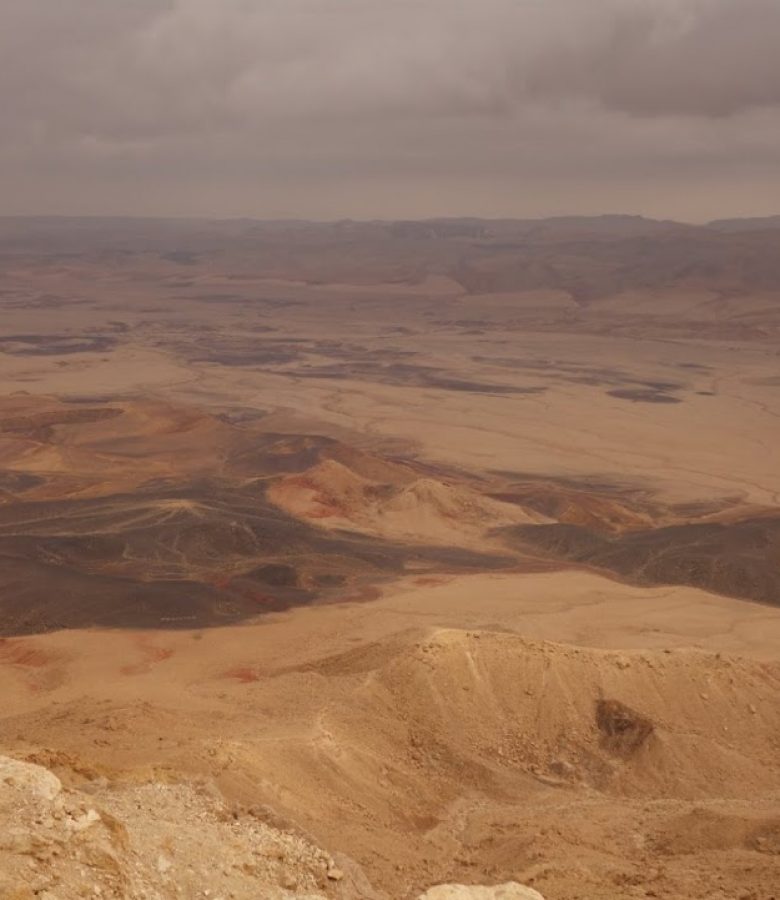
x=390, y=108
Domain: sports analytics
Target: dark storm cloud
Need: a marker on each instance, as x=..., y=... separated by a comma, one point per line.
x=330, y=107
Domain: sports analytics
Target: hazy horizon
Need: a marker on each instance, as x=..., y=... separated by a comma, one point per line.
x=333, y=110
x=367, y=220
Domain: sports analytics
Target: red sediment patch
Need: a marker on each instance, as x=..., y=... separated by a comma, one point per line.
x=40, y=670
x=298, y=481
x=242, y=674
x=319, y=507
x=304, y=497
x=430, y=581
x=361, y=595
x=323, y=511
x=23, y=653
x=150, y=655
x=221, y=584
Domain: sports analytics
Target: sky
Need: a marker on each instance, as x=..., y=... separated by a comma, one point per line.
x=334, y=109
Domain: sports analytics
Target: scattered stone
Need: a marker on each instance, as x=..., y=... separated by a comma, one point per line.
x=118, y=841
x=509, y=891
x=84, y=821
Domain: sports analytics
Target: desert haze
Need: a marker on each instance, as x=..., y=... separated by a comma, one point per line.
x=345, y=560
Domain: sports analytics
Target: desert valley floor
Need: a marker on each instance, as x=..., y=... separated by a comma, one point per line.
x=365, y=538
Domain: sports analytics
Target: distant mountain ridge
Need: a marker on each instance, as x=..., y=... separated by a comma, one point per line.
x=587, y=257
x=754, y=224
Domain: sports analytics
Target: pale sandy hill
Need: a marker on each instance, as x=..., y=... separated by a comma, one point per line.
x=429, y=715
x=434, y=755
x=424, y=509
x=370, y=465
x=497, y=752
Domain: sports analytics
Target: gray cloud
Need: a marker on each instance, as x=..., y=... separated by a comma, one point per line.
x=390, y=107
x=707, y=58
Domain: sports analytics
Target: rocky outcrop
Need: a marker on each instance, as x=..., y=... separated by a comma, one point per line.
x=150, y=841
x=155, y=841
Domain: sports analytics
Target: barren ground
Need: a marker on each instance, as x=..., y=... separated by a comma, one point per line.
x=459, y=577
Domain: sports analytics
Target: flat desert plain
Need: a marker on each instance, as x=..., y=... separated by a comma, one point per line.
x=347, y=560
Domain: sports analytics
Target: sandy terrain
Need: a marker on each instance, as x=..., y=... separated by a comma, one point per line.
x=434, y=552
x=456, y=749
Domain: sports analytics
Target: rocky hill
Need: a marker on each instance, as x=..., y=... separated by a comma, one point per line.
x=156, y=840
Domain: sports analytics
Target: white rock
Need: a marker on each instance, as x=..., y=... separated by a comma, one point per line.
x=84, y=821
x=32, y=779
x=509, y=891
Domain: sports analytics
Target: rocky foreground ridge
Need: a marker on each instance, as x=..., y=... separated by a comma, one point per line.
x=156, y=840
